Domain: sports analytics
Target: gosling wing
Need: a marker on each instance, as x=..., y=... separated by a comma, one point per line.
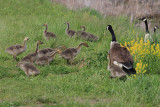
x=67, y=54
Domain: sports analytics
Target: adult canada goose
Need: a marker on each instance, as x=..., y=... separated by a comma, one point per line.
x=155, y=37
x=70, y=53
x=147, y=35
x=48, y=51
x=47, y=59
x=155, y=28
x=33, y=56
x=70, y=33
x=28, y=68
x=120, y=60
x=17, y=49
x=48, y=35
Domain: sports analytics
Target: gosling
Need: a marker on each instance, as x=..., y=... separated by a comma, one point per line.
x=16, y=50
x=28, y=68
x=47, y=59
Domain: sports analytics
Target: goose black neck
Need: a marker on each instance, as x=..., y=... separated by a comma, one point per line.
x=146, y=23
x=113, y=35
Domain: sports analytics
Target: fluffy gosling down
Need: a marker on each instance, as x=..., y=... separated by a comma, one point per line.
x=120, y=60
x=48, y=51
x=33, y=56
x=70, y=53
x=28, y=68
x=70, y=33
x=48, y=35
x=17, y=49
x=86, y=36
x=47, y=59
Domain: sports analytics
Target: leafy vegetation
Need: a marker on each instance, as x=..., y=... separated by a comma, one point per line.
x=86, y=83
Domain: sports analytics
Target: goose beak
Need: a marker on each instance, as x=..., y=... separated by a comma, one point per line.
x=143, y=19
x=157, y=27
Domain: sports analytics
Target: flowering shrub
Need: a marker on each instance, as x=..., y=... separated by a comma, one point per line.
x=146, y=55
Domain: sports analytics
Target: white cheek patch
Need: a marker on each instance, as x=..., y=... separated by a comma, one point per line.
x=144, y=20
x=107, y=27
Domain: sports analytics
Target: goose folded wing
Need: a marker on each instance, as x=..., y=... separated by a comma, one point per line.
x=15, y=47
x=67, y=54
x=74, y=50
x=71, y=32
x=122, y=56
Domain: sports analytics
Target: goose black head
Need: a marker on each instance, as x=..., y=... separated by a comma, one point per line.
x=109, y=27
x=156, y=27
x=143, y=19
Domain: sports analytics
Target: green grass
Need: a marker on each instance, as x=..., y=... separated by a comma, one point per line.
x=60, y=84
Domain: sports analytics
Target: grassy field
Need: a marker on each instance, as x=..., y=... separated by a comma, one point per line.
x=86, y=83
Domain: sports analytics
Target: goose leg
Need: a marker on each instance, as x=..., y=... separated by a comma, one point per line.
x=68, y=61
x=14, y=57
x=111, y=77
x=71, y=62
x=47, y=62
x=27, y=73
